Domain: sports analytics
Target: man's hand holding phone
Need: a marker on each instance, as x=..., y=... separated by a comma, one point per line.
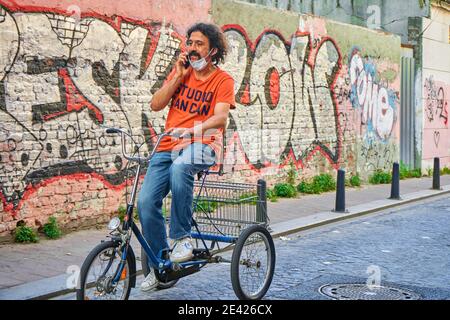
x=182, y=64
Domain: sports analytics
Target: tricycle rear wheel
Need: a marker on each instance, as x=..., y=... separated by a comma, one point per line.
x=253, y=263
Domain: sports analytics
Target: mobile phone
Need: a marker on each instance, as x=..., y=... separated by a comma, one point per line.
x=187, y=63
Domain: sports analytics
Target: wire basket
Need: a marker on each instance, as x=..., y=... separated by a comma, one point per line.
x=225, y=209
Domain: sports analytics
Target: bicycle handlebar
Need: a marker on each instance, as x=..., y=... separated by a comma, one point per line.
x=160, y=137
x=123, y=133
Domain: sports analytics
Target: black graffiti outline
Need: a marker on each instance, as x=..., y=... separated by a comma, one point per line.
x=38, y=66
x=437, y=138
x=14, y=196
x=435, y=99
x=333, y=155
x=377, y=156
x=56, y=64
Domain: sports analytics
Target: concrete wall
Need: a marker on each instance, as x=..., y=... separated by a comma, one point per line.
x=320, y=93
x=436, y=88
x=387, y=15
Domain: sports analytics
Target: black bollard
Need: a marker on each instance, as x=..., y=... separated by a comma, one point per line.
x=261, y=208
x=340, y=192
x=395, y=186
x=436, y=175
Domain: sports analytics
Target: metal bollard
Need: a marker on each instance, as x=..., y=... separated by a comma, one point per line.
x=340, y=193
x=437, y=174
x=395, y=185
x=261, y=208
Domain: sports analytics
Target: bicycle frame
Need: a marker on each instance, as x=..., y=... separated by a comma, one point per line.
x=238, y=217
x=157, y=261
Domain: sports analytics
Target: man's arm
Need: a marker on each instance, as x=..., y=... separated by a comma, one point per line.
x=162, y=97
x=217, y=121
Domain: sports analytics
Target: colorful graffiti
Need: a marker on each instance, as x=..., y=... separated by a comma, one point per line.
x=58, y=94
x=65, y=77
x=377, y=102
x=286, y=103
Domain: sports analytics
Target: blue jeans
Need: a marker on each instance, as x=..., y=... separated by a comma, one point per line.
x=174, y=172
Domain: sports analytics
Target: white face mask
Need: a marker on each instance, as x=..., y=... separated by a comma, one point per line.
x=200, y=64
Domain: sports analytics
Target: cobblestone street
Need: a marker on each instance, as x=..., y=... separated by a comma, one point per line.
x=408, y=246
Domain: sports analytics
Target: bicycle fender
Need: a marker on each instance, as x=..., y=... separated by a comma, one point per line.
x=132, y=266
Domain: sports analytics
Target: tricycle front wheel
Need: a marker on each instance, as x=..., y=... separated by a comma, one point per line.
x=100, y=269
x=253, y=263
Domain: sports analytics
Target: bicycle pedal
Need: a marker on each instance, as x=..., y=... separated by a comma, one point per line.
x=198, y=251
x=176, y=266
x=200, y=254
x=183, y=272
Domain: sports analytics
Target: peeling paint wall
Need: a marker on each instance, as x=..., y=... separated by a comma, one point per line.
x=319, y=93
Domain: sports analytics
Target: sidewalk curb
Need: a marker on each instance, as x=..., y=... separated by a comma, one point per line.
x=327, y=217
x=30, y=291
x=58, y=287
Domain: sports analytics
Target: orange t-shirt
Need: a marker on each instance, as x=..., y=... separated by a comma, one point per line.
x=194, y=102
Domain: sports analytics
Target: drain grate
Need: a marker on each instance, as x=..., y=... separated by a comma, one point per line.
x=364, y=292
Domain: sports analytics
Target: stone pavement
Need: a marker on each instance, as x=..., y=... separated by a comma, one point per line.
x=44, y=270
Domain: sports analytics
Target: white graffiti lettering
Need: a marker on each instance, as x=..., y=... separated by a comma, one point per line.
x=378, y=104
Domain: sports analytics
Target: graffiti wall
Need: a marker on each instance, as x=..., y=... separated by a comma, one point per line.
x=307, y=91
x=436, y=90
x=436, y=123
x=376, y=100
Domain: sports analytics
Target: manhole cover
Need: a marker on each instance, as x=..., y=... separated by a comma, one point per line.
x=364, y=292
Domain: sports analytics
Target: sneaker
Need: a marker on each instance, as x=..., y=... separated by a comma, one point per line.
x=182, y=251
x=150, y=282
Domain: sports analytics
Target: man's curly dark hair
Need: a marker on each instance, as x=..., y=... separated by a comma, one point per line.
x=216, y=39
